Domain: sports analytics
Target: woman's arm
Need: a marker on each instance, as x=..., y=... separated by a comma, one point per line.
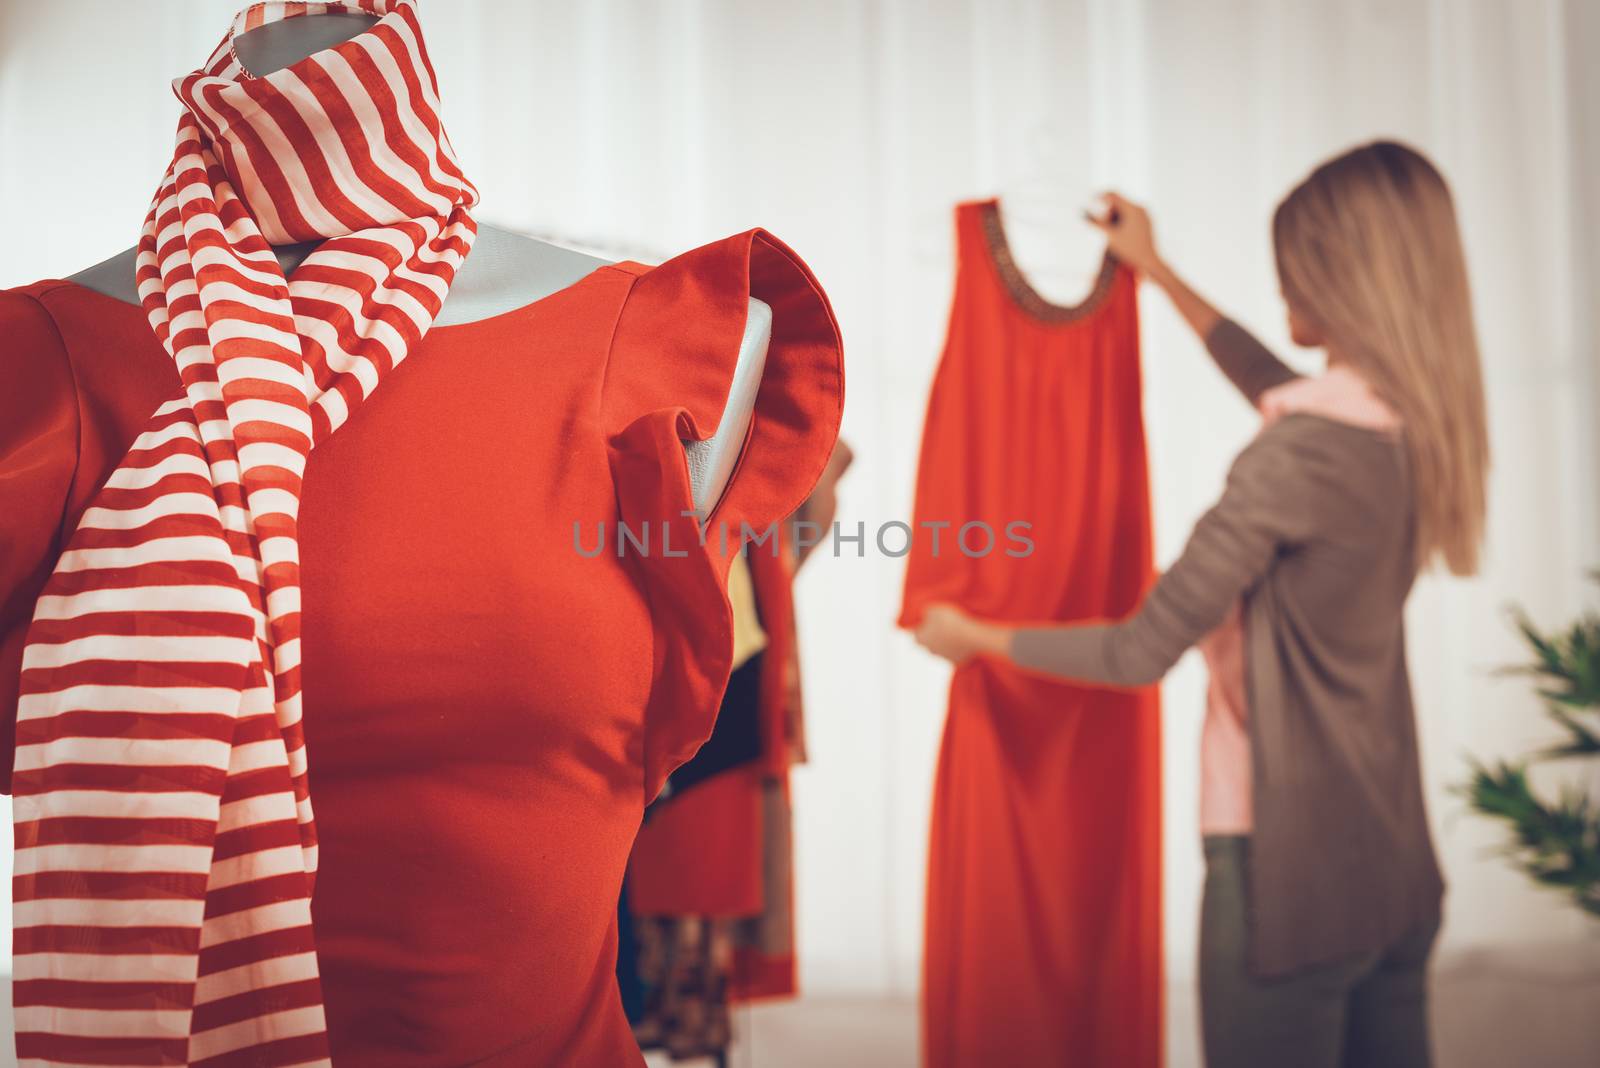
x=1263, y=508
x=1249, y=365
x=817, y=510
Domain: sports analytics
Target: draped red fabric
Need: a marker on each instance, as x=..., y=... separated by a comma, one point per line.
x=704, y=851
x=1043, y=942
x=165, y=843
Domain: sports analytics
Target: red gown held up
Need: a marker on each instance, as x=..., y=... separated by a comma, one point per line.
x=489, y=703
x=1043, y=939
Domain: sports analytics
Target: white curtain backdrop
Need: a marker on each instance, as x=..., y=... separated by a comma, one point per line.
x=850, y=129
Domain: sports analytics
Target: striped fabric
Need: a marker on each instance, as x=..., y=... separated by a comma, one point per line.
x=165, y=848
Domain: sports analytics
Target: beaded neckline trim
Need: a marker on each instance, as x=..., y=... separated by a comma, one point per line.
x=1021, y=290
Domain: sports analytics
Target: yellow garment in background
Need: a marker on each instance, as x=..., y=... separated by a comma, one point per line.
x=748, y=636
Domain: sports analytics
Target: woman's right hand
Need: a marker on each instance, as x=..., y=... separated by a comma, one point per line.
x=1129, y=233
x=1131, y=239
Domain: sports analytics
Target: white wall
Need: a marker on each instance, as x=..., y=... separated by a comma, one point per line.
x=849, y=129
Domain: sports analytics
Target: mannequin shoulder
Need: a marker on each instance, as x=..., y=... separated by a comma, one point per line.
x=114, y=277
x=507, y=271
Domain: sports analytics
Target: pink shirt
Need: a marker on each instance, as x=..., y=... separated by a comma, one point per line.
x=1340, y=394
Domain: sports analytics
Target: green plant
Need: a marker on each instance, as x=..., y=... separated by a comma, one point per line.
x=1557, y=842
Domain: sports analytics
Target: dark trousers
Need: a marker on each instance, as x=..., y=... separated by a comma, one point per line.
x=1368, y=1011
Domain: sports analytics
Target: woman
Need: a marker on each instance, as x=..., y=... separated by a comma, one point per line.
x=1322, y=894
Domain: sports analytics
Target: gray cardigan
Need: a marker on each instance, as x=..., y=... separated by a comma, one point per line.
x=1314, y=532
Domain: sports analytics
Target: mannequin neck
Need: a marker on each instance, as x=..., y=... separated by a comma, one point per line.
x=286, y=42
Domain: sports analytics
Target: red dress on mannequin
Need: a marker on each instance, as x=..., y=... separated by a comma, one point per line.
x=1043, y=941
x=487, y=709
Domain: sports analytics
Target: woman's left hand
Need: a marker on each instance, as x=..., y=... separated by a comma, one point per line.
x=949, y=632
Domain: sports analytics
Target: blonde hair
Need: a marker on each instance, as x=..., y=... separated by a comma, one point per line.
x=1369, y=253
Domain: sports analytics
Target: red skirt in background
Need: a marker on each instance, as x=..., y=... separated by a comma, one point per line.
x=722, y=848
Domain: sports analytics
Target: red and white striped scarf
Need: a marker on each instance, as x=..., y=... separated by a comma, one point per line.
x=165, y=849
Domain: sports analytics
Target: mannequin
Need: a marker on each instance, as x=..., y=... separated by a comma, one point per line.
x=504, y=272
x=481, y=706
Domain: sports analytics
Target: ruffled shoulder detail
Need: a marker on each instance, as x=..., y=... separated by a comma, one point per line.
x=668, y=375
